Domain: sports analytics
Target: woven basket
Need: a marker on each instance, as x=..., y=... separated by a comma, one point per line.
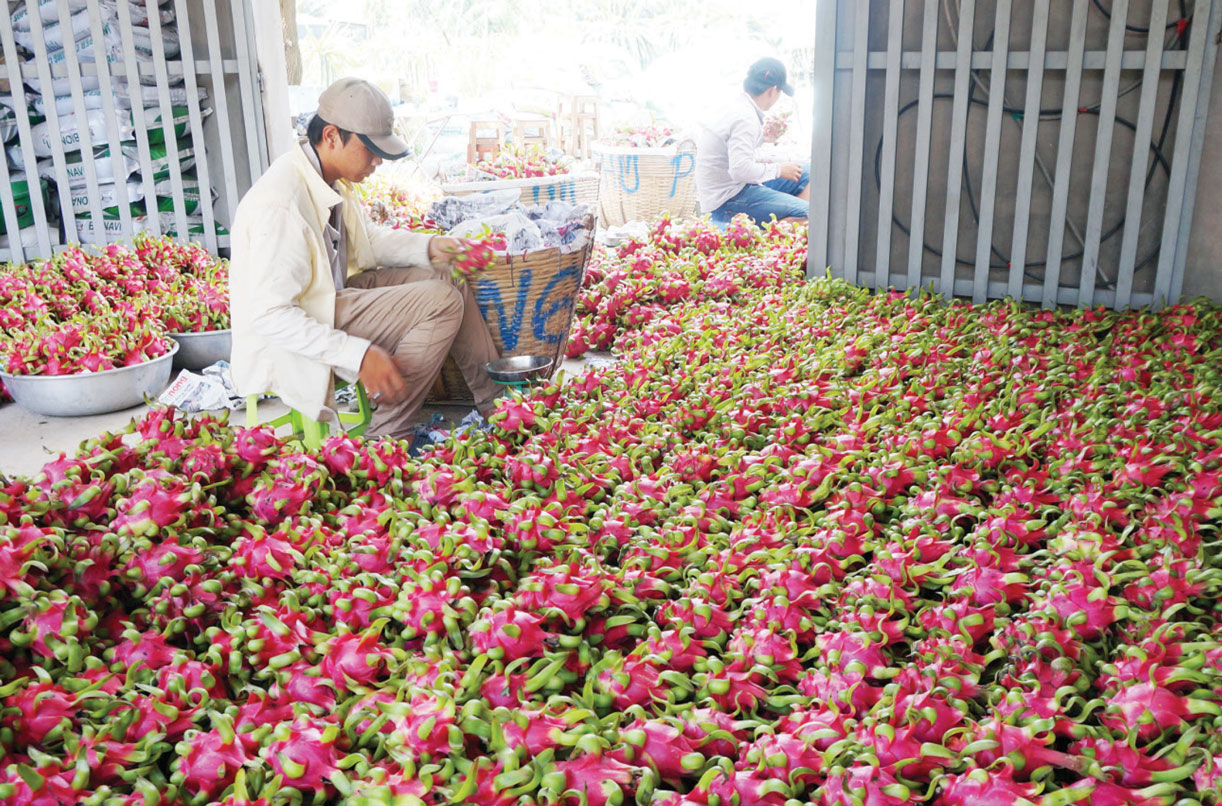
x=638, y=184
x=574, y=188
x=528, y=302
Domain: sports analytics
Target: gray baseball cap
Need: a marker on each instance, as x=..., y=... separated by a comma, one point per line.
x=357, y=106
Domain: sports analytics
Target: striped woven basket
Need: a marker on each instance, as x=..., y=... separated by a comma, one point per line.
x=574, y=188
x=528, y=302
x=638, y=184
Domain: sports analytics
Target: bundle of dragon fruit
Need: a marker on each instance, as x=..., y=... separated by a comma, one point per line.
x=802, y=544
x=775, y=126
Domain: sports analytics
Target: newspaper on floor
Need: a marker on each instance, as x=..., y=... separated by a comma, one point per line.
x=210, y=391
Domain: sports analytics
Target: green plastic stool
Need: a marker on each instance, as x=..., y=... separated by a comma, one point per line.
x=313, y=432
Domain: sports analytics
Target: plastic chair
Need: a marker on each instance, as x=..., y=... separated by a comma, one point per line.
x=313, y=432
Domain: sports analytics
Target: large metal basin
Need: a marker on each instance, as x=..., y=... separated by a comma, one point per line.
x=199, y=350
x=91, y=392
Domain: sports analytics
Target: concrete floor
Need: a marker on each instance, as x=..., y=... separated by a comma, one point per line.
x=28, y=440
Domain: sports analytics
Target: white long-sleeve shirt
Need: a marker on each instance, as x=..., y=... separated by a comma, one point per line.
x=281, y=287
x=725, y=154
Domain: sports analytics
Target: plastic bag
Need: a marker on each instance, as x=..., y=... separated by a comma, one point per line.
x=521, y=234
x=108, y=196
x=70, y=134
x=453, y=210
x=94, y=99
x=108, y=169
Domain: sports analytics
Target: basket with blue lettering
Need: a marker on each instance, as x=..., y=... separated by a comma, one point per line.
x=528, y=301
x=638, y=184
x=574, y=188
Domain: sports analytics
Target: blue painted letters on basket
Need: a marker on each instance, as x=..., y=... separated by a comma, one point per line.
x=547, y=306
x=565, y=191
x=561, y=304
x=681, y=172
x=628, y=164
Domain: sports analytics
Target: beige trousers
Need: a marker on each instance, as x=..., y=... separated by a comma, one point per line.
x=419, y=315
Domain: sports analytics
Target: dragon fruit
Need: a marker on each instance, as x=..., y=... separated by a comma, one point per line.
x=303, y=753
x=510, y=634
x=39, y=711
x=157, y=501
x=209, y=762
x=596, y=780
x=661, y=746
x=355, y=659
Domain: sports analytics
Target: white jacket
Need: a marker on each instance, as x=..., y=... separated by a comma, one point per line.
x=281, y=292
x=725, y=154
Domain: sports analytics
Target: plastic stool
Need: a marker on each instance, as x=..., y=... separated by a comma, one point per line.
x=313, y=432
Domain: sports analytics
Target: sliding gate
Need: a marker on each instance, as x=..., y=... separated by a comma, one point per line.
x=1045, y=150
x=122, y=116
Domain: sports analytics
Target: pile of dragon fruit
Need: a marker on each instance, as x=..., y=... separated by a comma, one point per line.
x=801, y=544
x=652, y=136
x=83, y=312
x=522, y=162
x=398, y=206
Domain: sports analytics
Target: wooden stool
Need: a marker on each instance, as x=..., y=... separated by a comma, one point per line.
x=486, y=140
x=312, y=432
x=577, y=117
x=528, y=133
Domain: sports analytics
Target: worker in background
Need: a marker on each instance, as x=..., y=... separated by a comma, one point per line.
x=729, y=177
x=317, y=289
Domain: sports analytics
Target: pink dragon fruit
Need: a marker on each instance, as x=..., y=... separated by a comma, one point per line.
x=596, y=780
x=510, y=634
x=303, y=752
x=996, y=787
x=355, y=659
x=628, y=681
x=424, y=725
x=289, y=484
x=863, y=785
x=300, y=682
x=167, y=560
x=261, y=555
x=714, y=733
x=661, y=746
x=148, y=648
x=38, y=711
x=155, y=502
x=743, y=787
x=1150, y=710
x=208, y=762
x=674, y=649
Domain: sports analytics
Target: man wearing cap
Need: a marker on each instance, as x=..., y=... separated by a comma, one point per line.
x=317, y=289
x=729, y=178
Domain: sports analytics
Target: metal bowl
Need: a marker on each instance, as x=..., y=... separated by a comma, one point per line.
x=199, y=350
x=519, y=368
x=91, y=392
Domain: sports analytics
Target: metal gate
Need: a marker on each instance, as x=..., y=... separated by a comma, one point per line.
x=152, y=111
x=965, y=128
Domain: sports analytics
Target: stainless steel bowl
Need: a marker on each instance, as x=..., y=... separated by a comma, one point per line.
x=91, y=392
x=519, y=368
x=199, y=350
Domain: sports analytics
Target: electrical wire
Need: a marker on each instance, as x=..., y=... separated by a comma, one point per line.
x=1134, y=29
x=1017, y=115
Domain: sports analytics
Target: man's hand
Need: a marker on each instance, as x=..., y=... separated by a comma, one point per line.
x=381, y=376
x=442, y=250
x=791, y=171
